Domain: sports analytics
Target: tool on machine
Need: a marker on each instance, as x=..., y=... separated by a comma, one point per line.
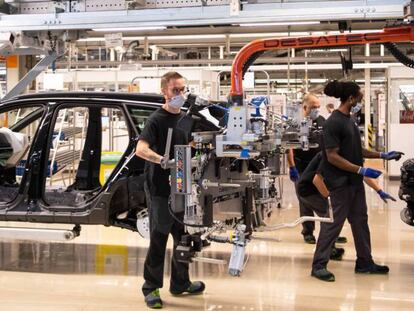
x=406, y=192
x=230, y=182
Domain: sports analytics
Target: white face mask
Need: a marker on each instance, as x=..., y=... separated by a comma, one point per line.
x=356, y=108
x=314, y=113
x=177, y=101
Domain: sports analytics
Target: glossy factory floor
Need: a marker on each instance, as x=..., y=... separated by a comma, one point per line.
x=102, y=270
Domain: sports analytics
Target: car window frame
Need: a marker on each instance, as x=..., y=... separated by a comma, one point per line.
x=13, y=105
x=64, y=103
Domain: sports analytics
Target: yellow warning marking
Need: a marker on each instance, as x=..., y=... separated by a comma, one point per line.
x=370, y=136
x=111, y=259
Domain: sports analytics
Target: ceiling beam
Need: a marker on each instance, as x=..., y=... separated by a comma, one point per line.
x=209, y=15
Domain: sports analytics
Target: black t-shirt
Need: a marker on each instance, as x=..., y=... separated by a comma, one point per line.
x=305, y=184
x=303, y=158
x=155, y=133
x=340, y=131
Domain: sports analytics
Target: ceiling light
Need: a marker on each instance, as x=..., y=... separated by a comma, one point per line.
x=278, y=24
x=184, y=37
x=269, y=34
x=223, y=36
x=126, y=29
x=327, y=50
x=102, y=39
x=284, y=81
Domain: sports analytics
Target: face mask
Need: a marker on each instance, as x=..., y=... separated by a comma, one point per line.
x=314, y=113
x=177, y=101
x=356, y=108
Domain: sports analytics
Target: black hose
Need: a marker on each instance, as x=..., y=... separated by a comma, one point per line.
x=399, y=55
x=250, y=61
x=182, y=222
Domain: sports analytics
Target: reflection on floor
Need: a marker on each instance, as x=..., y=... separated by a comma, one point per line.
x=102, y=270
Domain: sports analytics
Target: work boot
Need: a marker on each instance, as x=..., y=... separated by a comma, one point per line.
x=337, y=253
x=153, y=299
x=195, y=288
x=372, y=268
x=309, y=238
x=323, y=275
x=341, y=240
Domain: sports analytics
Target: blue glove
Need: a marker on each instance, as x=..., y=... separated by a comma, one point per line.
x=293, y=174
x=392, y=155
x=369, y=172
x=385, y=196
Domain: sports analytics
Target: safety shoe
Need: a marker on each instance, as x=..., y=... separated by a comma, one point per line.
x=337, y=253
x=195, y=288
x=341, y=240
x=153, y=299
x=373, y=268
x=323, y=275
x=309, y=238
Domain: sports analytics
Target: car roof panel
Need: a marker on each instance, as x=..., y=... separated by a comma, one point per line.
x=150, y=98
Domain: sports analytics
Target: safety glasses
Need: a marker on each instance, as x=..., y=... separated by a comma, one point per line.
x=179, y=90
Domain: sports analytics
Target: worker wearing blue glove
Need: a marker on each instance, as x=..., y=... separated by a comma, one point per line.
x=392, y=155
x=369, y=172
x=385, y=196
x=299, y=160
x=293, y=174
x=343, y=172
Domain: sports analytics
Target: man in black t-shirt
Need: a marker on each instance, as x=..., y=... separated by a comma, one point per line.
x=299, y=159
x=151, y=147
x=343, y=174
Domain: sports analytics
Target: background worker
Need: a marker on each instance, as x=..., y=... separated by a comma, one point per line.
x=151, y=146
x=343, y=174
x=299, y=159
x=330, y=108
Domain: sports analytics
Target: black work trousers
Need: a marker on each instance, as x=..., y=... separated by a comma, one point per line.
x=161, y=225
x=347, y=203
x=305, y=210
x=316, y=203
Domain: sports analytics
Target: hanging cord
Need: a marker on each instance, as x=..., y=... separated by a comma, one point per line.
x=399, y=55
x=180, y=221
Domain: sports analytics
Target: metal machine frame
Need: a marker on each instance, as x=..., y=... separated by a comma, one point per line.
x=241, y=141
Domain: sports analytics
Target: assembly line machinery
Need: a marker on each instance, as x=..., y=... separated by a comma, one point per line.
x=218, y=189
x=228, y=182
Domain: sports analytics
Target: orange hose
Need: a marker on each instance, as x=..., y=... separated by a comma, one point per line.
x=395, y=34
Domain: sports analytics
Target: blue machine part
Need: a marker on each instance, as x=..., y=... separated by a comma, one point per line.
x=244, y=154
x=257, y=102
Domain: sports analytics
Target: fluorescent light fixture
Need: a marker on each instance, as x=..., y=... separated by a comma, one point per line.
x=377, y=80
x=187, y=37
x=279, y=24
x=172, y=37
x=269, y=34
x=327, y=50
x=102, y=39
x=223, y=36
x=285, y=81
x=126, y=29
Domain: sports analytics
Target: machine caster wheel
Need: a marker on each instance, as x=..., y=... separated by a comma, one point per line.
x=407, y=216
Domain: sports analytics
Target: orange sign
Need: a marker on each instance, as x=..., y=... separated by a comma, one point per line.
x=12, y=61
